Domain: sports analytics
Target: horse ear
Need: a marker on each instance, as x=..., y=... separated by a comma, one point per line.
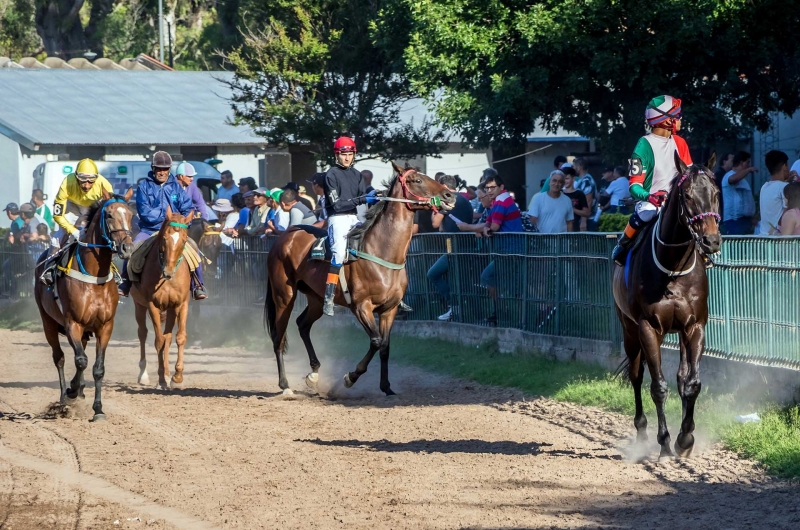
x=189, y=216
x=679, y=165
x=712, y=161
x=169, y=210
x=397, y=168
x=128, y=194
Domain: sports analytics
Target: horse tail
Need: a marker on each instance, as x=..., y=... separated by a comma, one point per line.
x=269, y=313
x=623, y=371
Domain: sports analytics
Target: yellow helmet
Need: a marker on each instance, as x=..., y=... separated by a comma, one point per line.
x=86, y=169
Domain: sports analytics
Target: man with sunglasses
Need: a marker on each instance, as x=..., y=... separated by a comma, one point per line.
x=77, y=193
x=159, y=191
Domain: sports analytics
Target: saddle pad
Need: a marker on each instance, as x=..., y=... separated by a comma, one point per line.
x=139, y=256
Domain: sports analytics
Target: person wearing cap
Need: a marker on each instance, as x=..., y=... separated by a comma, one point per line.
x=156, y=194
x=279, y=218
x=652, y=167
x=257, y=224
x=31, y=221
x=317, y=185
x=185, y=174
x=12, y=211
x=227, y=188
x=345, y=190
x=78, y=191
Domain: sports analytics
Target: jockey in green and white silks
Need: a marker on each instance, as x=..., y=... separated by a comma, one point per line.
x=652, y=167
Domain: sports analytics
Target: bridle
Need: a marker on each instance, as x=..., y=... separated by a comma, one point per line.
x=688, y=221
x=161, y=253
x=434, y=202
x=105, y=233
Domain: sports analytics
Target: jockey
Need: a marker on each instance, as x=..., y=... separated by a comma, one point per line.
x=652, y=167
x=77, y=193
x=344, y=190
x=158, y=191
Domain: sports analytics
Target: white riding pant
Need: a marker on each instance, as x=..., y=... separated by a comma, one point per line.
x=338, y=228
x=646, y=211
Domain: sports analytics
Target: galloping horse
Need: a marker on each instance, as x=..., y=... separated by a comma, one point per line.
x=375, y=287
x=164, y=286
x=664, y=289
x=88, y=295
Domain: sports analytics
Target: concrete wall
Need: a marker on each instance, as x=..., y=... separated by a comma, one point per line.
x=10, y=162
x=241, y=164
x=756, y=382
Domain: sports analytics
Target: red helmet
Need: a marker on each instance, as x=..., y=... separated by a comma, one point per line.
x=344, y=144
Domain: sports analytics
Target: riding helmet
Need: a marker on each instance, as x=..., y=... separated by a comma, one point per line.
x=161, y=159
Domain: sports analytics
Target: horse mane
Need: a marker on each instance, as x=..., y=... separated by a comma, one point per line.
x=373, y=213
x=98, y=205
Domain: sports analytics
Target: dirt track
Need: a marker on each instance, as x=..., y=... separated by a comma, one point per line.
x=228, y=451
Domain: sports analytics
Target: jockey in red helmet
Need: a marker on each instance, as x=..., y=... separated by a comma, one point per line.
x=652, y=167
x=344, y=191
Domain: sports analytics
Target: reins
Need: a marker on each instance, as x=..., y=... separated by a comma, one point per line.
x=687, y=221
x=110, y=243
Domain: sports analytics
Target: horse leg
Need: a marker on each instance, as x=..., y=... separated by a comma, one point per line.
x=169, y=325
x=283, y=311
x=99, y=369
x=75, y=338
x=651, y=345
x=310, y=314
x=367, y=319
x=181, y=313
x=163, y=363
x=51, y=334
x=386, y=322
x=633, y=350
x=141, y=322
x=689, y=386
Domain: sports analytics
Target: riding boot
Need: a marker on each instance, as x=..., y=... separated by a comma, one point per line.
x=198, y=289
x=48, y=277
x=620, y=252
x=330, y=292
x=124, y=288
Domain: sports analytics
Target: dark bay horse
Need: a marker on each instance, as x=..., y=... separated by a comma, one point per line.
x=85, y=299
x=164, y=286
x=374, y=287
x=664, y=289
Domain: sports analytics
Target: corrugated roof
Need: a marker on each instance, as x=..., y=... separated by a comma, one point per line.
x=69, y=107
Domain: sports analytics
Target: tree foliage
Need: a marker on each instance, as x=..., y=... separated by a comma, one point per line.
x=510, y=66
x=310, y=70
x=18, y=35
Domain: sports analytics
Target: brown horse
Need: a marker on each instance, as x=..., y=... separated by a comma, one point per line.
x=164, y=287
x=664, y=289
x=374, y=287
x=87, y=295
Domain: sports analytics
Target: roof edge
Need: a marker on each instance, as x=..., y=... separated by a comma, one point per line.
x=17, y=136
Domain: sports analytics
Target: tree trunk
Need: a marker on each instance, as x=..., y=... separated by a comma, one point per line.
x=100, y=10
x=59, y=25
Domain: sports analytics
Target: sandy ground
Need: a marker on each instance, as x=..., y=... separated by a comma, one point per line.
x=229, y=451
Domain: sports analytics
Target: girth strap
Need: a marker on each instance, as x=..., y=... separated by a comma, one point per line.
x=375, y=259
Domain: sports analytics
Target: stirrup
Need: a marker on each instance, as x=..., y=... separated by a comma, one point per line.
x=200, y=293
x=48, y=277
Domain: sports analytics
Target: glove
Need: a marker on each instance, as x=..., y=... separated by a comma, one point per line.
x=657, y=198
x=372, y=197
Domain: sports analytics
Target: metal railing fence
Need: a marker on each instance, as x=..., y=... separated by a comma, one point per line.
x=549, y=284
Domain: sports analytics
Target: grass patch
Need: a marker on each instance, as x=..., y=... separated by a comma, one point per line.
x=775, y=441
x=20, y=315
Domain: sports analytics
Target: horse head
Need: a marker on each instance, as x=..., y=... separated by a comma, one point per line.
x=173, y=235
x=116, y=223
x=699, y=198
x=419, y=187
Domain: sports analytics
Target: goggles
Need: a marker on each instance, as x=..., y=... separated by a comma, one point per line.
x=85, y=177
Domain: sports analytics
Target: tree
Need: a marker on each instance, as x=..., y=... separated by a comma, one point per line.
x=508, y=67
x=314, y=72
x=18, y=36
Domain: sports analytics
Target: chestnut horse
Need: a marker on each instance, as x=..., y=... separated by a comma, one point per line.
x=374, y=287
x=164, y=286
x=84, y=300
x=664, y=289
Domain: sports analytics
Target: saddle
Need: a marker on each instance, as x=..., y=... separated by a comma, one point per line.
x=141, y=251
x=321, y=249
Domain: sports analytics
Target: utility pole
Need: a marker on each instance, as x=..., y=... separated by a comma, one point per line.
x=169, y=35
x=161, y=31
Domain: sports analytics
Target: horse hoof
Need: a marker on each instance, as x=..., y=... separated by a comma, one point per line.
x=390, y=393
x=347, y=382
x=164, y=387
x=98, y=417
x=665, y=455
x=176, y=384
x=288, y=392
x=684, y=445
x=311, y=380
x=144, y=379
